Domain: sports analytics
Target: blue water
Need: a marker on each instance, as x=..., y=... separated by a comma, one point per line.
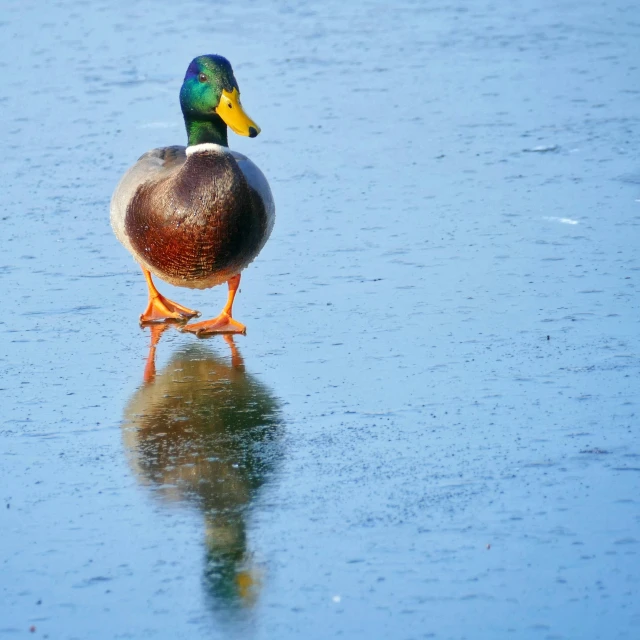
x=430, y=429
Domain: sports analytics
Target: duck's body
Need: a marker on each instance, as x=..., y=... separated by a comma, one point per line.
x=196, y=216
x=193, y=216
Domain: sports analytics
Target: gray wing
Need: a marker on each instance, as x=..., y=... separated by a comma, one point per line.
x=153, y=165
x=257, y=181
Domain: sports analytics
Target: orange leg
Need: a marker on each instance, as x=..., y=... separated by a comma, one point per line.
x=222, y=323
x=161, y=309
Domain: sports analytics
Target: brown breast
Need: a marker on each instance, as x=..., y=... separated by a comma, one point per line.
x=201, y=220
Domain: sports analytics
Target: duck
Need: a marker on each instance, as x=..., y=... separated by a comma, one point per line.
x=196, y=216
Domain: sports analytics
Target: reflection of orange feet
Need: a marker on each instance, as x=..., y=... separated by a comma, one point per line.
x=161, y=309
x=236, y=359
x=224, y=323
x=156, y=331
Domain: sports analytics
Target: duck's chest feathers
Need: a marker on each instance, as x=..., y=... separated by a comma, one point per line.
x=203, y=219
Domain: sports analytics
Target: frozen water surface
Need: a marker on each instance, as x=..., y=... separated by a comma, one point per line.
x=430, y=430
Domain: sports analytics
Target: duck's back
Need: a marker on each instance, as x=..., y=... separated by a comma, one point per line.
x=194, y=217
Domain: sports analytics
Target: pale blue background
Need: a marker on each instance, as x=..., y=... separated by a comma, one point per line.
x=446, y=316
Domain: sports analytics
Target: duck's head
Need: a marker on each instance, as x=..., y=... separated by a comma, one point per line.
x=210, y=101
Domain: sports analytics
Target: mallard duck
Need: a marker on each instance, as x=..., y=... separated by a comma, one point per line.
x=196, y=216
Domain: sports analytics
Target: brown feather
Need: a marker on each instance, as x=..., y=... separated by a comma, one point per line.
x=203, y=220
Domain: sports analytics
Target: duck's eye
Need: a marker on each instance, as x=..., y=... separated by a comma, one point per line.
x=202, y=77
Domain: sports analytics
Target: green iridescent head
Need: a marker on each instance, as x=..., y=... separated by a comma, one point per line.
x=210, y=101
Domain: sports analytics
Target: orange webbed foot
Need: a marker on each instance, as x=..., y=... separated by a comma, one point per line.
x=161, y=309
x=223, y=323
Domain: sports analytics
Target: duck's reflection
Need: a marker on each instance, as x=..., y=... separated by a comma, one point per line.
x=204, y=432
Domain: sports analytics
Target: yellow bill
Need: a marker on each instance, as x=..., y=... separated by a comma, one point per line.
x=231, y=111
